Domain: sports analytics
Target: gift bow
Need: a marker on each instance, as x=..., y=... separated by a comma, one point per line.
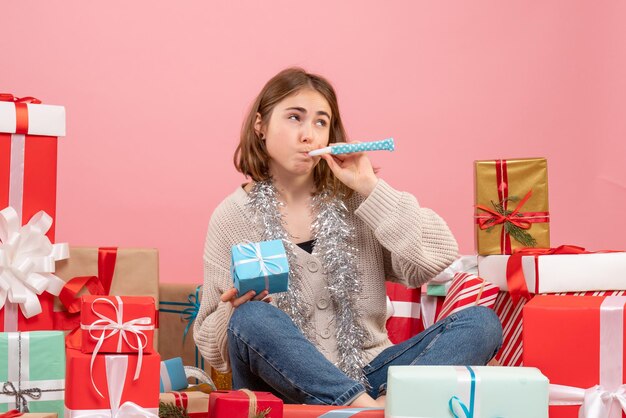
x=27, y=261
x=596, y=402
x=13, y=413
x=252, y=252
x=116, y=368
x=21, y=110
x=516, y=218
x=8, y=97
x=118, y=326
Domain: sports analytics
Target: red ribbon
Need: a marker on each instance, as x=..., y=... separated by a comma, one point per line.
x=515, y=279
x=181, y=399
x=520, y=219
x=21, y=110
x=95, y=285
x=11, y=414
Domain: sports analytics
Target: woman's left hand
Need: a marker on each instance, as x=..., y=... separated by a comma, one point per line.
x=354, y=170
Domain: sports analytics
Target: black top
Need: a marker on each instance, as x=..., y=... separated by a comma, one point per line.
x=307, y=246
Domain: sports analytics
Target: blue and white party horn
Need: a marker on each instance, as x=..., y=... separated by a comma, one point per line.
x=385, y=144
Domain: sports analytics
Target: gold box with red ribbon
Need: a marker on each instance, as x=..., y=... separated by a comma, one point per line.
x=104, y=271
x=29, y=132
x=195, y=403
x=511, y=202
x=117, y=324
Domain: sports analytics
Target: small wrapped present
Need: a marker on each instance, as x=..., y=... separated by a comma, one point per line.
x=244, y=404
x=117, y=324
x=464, y=391
x=260, y=266
x=328, y=411
x=105, y=271
x=511, y=205
x=32, y=371
x=115, y=382
x=173, y=376
x=578, y=342
x=403, y=311
x=195, y=403
x=29, y=133
x=27, y=266
x=468, y=290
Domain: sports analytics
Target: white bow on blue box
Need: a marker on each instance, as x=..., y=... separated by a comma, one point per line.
x=260, y=266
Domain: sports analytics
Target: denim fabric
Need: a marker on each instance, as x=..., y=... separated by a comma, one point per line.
x=269, y=353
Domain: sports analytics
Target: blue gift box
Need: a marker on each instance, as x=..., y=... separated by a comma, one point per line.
x=260, y=265
x=173, y=375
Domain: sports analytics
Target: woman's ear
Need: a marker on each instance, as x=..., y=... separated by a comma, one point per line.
x=258, y=126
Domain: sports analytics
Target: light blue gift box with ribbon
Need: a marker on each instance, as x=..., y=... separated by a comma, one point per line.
x=466, y=392
x=173, y=375
x=259, y=266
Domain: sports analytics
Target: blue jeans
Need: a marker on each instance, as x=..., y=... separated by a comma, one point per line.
x=269, y=353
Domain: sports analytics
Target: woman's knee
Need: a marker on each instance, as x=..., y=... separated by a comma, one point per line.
x=486, y=325
x=252, y=318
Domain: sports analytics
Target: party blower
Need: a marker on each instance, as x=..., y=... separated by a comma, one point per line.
x=385, y=144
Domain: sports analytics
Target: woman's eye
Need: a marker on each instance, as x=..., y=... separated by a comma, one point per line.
x=294, y=117
x=322, y=122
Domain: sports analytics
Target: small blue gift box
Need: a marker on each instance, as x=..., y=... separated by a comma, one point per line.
x=173, y=375
x=260, y=265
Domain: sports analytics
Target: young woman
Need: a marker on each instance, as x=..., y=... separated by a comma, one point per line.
x=345, y=231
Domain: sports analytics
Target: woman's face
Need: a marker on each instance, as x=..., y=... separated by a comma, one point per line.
x=298, y=124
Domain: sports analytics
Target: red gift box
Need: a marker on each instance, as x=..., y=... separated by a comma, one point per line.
x=405, y=321
x=117, y=324
x=28, y=155
x=114, y=383
x=238, y=403
x=468, y=290
x=319, y=411
x=578, y=342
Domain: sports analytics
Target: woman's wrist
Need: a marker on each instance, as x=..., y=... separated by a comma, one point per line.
x=366, y=187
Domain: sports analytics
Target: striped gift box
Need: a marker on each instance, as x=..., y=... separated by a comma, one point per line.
x=468, y=290
x=510, y=315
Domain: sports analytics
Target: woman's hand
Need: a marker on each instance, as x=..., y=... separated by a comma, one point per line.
x=231, y=296
x=354, y=170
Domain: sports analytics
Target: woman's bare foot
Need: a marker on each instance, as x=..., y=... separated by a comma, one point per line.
x=381, y=401
x=364, y=401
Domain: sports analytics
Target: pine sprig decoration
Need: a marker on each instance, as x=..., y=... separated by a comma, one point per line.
x=263, y=414
x=169, y=410
x=517, y=233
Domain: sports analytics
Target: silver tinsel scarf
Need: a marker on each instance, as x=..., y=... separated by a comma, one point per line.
x=334, y=247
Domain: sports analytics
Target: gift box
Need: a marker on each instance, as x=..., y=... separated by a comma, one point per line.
x=511, y=205
x=27, y=264
x=32, y=364
x=29, y=132
x=105, y=271
x=443, y=391
x=260, y=266
x=563, y=269
x=244, y=403
x=329, y=411
x=173, y=376
x=117, y=324
x=468, y=290
x=113, y=382
x=178, y=308
x=578, y=342
x=195, y=403
x=403, y=312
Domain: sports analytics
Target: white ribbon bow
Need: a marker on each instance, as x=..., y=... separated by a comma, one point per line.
x=117, y=326
x=27, y=261
x=596, y=402
x=116, y=367
x=252, y=252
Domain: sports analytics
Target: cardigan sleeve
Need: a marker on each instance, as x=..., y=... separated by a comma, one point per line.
x=417, y=243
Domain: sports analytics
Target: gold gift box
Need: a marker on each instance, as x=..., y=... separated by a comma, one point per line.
x=175, y=296
x=195, y=401
x=496, y=180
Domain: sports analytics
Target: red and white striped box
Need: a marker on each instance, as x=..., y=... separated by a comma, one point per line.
x=405, y=312
x=468, y=290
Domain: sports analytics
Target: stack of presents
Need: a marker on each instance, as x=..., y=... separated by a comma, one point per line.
x=90, y=332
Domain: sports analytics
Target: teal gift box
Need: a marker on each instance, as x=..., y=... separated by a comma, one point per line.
x=32, y=371
x=466, y=392
x=259, y=266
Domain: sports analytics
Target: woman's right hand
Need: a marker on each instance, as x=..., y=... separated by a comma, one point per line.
x=231, y=296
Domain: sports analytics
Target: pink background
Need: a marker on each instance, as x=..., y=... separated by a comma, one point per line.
x=156, y=91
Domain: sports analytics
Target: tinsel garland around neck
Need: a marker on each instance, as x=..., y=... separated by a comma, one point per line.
x=333, y=246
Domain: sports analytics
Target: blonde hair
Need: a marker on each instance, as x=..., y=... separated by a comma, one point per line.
x=251, y=157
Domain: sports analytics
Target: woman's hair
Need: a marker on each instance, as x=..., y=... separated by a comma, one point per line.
x=251, y=157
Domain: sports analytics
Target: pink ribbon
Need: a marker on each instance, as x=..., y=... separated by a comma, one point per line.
x=608, y=398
